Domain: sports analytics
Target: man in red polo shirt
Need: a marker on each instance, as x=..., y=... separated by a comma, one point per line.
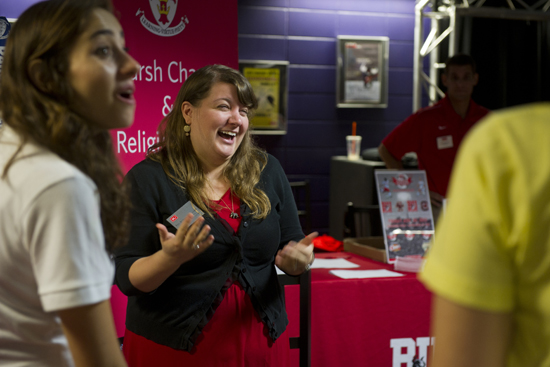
x=434, y=133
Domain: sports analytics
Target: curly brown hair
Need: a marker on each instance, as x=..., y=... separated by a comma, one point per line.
x=47, y=32
x=179, y=160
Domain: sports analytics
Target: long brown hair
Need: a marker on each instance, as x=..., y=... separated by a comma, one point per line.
x=179, y=160
x=47, y=31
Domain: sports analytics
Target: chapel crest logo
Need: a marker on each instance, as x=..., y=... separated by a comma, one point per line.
x=164, y=12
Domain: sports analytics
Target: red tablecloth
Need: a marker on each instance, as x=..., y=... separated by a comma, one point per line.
x=354, y=322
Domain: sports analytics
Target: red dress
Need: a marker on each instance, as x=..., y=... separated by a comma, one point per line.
x=234, y=337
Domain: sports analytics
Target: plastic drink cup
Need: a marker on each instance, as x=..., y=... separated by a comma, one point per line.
x=354, y=146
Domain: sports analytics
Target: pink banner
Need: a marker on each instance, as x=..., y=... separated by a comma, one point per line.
x=170, y=39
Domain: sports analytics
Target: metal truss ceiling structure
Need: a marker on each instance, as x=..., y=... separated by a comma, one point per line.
x=444, y=13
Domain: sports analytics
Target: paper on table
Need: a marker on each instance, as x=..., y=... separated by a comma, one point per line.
x=410, y=264
x=333, y=264
x=361, y=274
x=328, y=264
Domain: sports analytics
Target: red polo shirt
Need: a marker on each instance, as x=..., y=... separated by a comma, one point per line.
x=434, y=133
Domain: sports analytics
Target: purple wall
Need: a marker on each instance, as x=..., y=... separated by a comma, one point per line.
x=12, y=8
x=303, y=32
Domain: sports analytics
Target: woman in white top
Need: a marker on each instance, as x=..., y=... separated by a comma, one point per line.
x=66, y=79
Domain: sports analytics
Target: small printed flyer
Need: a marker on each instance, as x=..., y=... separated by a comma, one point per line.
x=265, y=83
x=406, y=212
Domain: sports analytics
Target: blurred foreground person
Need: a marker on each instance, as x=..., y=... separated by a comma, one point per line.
x=66, y=79
x=489, y=267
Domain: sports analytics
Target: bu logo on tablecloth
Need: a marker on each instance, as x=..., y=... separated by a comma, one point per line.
x=405, y=351
x=164, y=12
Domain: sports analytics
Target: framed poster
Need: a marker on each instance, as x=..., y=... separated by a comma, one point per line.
x=406, y=213
x=362, y=72
x=269, y=79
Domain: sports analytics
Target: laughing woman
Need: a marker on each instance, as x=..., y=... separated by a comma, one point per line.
x=208, y=294
x=66, y=79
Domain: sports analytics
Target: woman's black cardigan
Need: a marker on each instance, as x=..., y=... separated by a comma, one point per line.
x=176, y=312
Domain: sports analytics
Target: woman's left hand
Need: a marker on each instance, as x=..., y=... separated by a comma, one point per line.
x=296, y=257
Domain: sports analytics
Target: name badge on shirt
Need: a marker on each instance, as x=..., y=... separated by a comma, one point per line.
x=179, y=215
x=445, y=142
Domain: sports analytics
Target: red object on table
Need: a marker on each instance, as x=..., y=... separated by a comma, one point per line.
x=328, y=243
x=354, y=322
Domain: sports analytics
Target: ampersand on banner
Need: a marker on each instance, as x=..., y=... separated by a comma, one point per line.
x=166, y=109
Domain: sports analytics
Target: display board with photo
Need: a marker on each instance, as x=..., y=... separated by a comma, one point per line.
x=362, y=71
x=406, y=212
x=269, y=81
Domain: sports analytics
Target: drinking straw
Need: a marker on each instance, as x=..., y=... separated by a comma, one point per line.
x=353, y=132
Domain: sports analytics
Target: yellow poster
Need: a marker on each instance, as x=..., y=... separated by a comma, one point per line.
x=265, y=83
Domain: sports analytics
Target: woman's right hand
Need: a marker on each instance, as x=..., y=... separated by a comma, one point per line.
x=188, y=242
x=148, y=273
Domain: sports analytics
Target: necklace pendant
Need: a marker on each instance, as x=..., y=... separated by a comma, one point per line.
x=233, y=215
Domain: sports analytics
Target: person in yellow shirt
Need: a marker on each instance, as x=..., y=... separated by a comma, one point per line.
x=489, y=267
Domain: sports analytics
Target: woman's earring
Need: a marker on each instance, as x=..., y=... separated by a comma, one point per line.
x=187, y=129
